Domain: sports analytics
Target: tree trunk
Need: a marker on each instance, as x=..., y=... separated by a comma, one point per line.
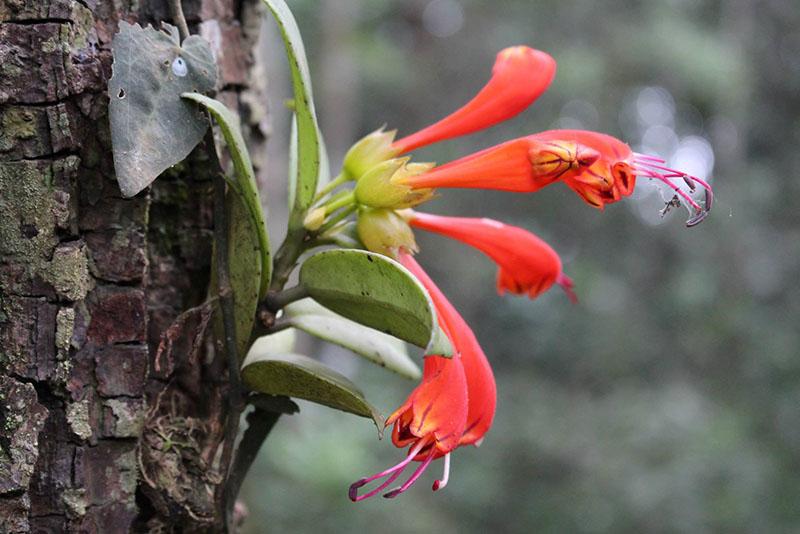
x=110, y=415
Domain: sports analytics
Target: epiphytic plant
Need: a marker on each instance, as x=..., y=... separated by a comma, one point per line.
x=364, y=291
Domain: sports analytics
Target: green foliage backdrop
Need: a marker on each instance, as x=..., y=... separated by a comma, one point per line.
x=668, y=399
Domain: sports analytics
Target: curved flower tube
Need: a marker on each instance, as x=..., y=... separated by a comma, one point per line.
x=481, y=387
x=454, y=405
x=527, y=265
x=519, y=76
x=522, y=165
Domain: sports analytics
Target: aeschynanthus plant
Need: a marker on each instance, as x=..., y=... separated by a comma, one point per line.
x=369, y=290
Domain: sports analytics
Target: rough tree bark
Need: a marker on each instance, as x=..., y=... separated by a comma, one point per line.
x=105, y=424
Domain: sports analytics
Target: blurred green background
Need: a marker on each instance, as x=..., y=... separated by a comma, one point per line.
x=668, y=399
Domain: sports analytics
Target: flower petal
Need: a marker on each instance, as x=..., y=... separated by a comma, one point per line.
x=519, y=76
x=481, y=387
x=527, y=264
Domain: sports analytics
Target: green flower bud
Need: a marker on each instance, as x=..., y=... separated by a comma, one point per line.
x=314, y=219
x=381, y=187
x=368, y=152
x=384, y=231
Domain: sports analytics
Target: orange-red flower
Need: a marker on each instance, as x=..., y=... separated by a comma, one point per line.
x=431, y=422
x=520, y=74
x=481, y=388
x=599, y=167
x=527, y=265
x=454, y=404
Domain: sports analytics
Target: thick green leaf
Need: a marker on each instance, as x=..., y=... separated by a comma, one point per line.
x=375, y=291
x=244, y=266
x=324, y=163
x=151, y=127
x=282, y=342
x=308, y=142
x=377, y=347
x=294, y=375
x=245, y=184
x=292, y=188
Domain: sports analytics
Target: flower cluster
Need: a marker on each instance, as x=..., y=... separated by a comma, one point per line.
x=454, y=404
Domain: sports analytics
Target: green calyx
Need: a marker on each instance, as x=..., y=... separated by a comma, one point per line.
x=367, y=152
x=384, y=231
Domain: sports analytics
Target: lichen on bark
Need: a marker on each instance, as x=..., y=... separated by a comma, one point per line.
x=89, y=281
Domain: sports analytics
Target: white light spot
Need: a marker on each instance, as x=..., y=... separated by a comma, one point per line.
x=659, y=140
x=443, y=18
x=179, y=67
x=655, y=105
x=694, y=156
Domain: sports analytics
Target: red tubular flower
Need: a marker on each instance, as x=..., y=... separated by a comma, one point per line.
x=600, y=168
x=522, y=165
x=527, y=265
x=431, y=421
x=482, y=391
x=519, y=76
x=454, y=405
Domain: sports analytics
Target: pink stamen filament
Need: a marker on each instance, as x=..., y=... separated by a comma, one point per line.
x=675, y=173
x=394, y=471
x=653, y=167
x=646, y=157
x=666, y=179
x=567, y=285
x=413, y=478
x=442, y=482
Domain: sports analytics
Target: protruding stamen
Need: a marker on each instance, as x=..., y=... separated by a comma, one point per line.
x=647, y=157
x=697, y=219
x=666, y=179
x=442, y=482
x=413, y=478
x=673, y=173
x=654, y=167
x=353, y=493
x=394, y=471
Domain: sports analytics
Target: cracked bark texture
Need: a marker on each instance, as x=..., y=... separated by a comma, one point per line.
x=90, y=283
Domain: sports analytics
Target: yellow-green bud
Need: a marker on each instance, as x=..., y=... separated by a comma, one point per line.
x=314, y=219
x=380, y=187
x=384, y=231
x=369, y=151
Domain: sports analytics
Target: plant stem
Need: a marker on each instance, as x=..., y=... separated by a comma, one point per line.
x=266, y=412
x=178, y=18
x=340, y=201
x=333, y=184
x=286, y=257
x=277, y=301
x=330, y=223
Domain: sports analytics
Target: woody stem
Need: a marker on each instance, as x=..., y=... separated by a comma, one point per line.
x=179, y=18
